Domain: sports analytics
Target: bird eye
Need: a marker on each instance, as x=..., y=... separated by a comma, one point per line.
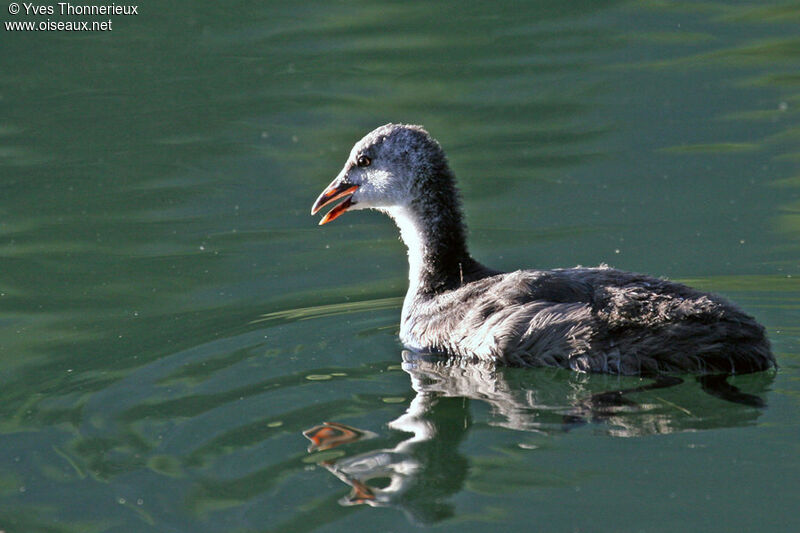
x=363, y=161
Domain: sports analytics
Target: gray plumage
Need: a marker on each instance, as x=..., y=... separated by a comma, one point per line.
x=587, y=319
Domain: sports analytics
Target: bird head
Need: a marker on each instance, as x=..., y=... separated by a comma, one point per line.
x=384, y=170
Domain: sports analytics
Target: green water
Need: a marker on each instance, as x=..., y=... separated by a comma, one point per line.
x=172, y=319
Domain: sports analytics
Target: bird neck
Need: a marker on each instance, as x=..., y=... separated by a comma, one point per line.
x=434, y=234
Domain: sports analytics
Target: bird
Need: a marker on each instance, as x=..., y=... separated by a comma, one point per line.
x=593, y=320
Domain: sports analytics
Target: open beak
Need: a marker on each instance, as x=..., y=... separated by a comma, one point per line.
x=335, y=191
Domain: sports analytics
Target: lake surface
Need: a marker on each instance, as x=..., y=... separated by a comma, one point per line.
x=172, y=320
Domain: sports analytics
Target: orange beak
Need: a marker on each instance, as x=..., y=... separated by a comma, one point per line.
x=334, y=191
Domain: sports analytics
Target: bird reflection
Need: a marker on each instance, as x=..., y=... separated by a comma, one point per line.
x=332, y=434
x=419, y=473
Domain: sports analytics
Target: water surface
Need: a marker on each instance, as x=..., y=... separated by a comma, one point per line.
x=172, y=320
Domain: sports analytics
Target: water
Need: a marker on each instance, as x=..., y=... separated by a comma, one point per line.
x=172, y=320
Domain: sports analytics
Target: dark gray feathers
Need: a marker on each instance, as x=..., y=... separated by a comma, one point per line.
x=590, y=320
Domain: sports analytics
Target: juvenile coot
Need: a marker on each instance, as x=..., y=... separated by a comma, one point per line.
x=587, y=319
